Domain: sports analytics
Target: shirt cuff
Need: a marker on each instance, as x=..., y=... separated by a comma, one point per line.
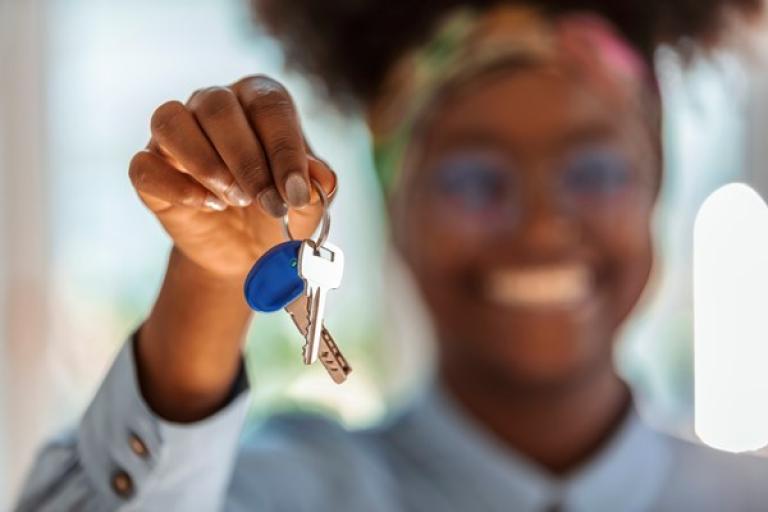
x=131, y=455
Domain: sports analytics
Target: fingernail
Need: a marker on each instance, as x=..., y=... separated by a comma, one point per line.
x=214, y=203
x=296, y=190
x=237, y=196
x=272, y=203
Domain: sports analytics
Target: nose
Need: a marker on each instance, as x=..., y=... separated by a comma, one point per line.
x=546, y=227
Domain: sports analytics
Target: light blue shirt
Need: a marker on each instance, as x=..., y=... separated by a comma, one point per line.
x=428, y=457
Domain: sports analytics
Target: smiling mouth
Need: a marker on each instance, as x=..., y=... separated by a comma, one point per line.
x=560, y=285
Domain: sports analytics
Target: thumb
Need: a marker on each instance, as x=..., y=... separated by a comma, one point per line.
x=321, y=171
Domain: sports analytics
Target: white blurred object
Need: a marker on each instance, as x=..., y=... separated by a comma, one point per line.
x=730, y=269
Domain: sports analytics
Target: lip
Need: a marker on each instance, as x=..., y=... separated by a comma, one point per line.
x=557, y=286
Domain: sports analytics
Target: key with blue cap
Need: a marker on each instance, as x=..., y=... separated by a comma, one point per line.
x=295, y=276
x=274, y=283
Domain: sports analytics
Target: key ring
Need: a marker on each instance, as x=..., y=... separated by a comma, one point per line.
x=325, y=228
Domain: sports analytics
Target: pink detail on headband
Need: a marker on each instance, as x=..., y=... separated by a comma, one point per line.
x=611, y=48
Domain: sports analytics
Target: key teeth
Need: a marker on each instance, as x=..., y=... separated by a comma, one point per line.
x=330, y=355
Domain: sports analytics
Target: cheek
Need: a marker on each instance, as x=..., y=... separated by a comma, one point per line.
x=626, y=242
x=438, y=253
x=440, y=233
x=433, y=249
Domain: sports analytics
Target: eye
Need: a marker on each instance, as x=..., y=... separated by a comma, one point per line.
x=474, y=182
x=597, y=171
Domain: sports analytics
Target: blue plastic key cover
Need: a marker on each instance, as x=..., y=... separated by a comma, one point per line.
x=274, y=280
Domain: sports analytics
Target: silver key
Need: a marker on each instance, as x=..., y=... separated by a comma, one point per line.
x=330, y=355
x=321, y=267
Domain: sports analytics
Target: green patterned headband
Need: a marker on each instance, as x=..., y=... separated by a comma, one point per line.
x=467, y=42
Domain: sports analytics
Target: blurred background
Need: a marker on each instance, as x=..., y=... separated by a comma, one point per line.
x=81, y=261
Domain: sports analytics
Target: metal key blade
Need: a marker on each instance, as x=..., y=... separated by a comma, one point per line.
x=299, y=311
x=316, y=315
x=321, y=268
x=330, y=355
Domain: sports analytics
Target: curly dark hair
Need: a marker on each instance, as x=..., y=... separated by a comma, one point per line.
x=349, y=44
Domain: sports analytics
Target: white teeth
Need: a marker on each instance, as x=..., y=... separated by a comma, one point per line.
x=540, y=286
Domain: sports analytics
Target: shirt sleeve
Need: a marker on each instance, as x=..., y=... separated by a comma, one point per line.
x=124, y=457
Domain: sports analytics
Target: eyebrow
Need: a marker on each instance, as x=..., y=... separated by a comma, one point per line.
x=474, y=139
x=588, y=132
x=485, y=139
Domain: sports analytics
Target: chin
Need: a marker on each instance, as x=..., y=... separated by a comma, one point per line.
x=541, y=360
x=525, y=345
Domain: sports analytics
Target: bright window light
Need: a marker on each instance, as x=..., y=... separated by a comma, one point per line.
x=730, y=283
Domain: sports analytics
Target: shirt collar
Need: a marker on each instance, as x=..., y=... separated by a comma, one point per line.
x=627, y=474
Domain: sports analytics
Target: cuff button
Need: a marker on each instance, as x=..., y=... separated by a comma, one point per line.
x=138, y=446
x=122, y=483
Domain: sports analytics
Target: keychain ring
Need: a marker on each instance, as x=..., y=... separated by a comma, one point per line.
x=325, y=228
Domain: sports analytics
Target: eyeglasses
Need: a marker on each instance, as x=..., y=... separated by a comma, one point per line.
x=485, y=187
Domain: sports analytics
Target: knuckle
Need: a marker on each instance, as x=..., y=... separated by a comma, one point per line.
x=137, y=168
x=259, y=81
x=194, y=94
x=214, y=102
x=164, y=117
x=249, y=165
x=270, y=104
x=268, y=100
x=190, y=192
x=267, y=83
x=209, y=168
x=254, y=182
x=285, y=149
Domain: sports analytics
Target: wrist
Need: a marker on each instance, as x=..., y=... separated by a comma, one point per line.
x=189, y=348
x=182, y=268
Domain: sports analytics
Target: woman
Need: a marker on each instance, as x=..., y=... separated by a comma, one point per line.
x=519, y=146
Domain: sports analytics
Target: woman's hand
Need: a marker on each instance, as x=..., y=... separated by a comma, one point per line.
x=217, y=173
x=219, y=169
